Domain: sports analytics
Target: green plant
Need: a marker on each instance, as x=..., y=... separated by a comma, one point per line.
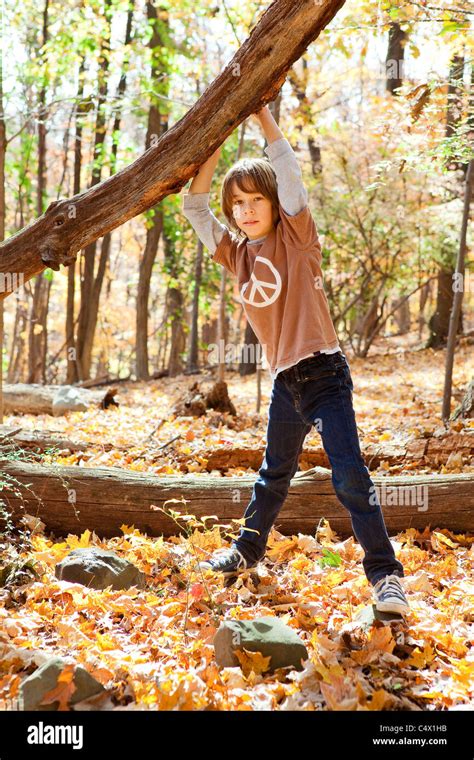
x=329, y=559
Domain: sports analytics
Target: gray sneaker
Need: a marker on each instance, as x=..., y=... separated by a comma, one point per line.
x=227, y=561
x=389, y=595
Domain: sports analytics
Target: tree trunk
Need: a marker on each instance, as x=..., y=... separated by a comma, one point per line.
x=402, y=315
x=395, y=58
x=457, y=296
x=174, y=312
x=439, y=322
x=37, y=339
x=3, y=150
x=466, y=407
x=18, y=349
x=424, y=295
x=83, y=106
x=455, y=106
x=157, y=126
x=87, y=316
x=299, y=87
x=431, y=452
x=32, y=398
x=75, y=499
x=193, y=352
x=448, y=450
x=248, y=82
x=250, y=352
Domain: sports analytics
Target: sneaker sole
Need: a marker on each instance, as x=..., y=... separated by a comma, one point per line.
x=392, y=607
x=228, y=573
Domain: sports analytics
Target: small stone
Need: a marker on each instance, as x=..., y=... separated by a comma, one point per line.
x=45, y=678
x=68, y=399
x=367, y=616
x=97, y=568
x=267, y=635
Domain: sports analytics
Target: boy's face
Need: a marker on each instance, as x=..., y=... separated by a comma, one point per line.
x=253, y=212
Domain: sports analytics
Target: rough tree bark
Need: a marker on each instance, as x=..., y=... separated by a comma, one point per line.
x=90, y=282
x=74, y=499
x=439, y=321
x=38, y=321
x=157, y=126
x=395, y=58
x=249, y=81
x=83, y=106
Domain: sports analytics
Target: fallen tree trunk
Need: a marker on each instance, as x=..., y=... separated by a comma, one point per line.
x=34, y=398
x=73, y=499
x=249, y=81
x=430, y=452
x=40, y=441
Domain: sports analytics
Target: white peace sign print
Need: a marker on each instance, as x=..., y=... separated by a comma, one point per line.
x=260, y=286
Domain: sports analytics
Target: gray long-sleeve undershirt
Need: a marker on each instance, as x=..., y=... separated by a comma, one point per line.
x=292, y=195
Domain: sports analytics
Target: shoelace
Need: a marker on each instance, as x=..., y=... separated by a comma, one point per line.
x=242, y=561
x=391, y=584
x=230, y=552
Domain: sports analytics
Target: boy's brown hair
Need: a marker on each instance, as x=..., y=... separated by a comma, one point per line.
x=251, y=175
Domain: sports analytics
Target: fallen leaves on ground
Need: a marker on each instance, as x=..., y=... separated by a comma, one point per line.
x=152, y=648
x=397, y=398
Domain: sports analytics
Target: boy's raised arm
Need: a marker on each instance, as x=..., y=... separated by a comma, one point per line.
x=202, y=181
x=292, y=193
x=196, y=205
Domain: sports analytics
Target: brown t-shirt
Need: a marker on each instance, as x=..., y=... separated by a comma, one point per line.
x=281, y=288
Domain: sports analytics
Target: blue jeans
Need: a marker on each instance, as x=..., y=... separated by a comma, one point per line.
x=317, y=391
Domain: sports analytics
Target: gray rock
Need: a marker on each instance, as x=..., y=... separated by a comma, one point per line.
x=367, y=616
x=267, y=635
x=68, y=399
x=45, y=678
x=97, y=568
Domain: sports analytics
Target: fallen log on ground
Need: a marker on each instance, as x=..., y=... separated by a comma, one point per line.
x=446, y=451
x=34, y=398
x=73, y=499
x=433, y=451
x=428, y=452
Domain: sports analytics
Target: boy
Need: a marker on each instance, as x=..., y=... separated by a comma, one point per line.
x=272, y=247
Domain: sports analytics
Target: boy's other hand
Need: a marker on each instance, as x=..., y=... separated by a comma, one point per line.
x=258, y=115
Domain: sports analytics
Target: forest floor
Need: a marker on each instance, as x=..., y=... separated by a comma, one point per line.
x=397, y=399
x=152, y=648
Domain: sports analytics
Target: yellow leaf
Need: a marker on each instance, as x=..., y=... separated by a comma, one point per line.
x=421, y=658
x=64, y=689
x=252, y=661
x=380, y=699
x=105, y=642
x=382, y=639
